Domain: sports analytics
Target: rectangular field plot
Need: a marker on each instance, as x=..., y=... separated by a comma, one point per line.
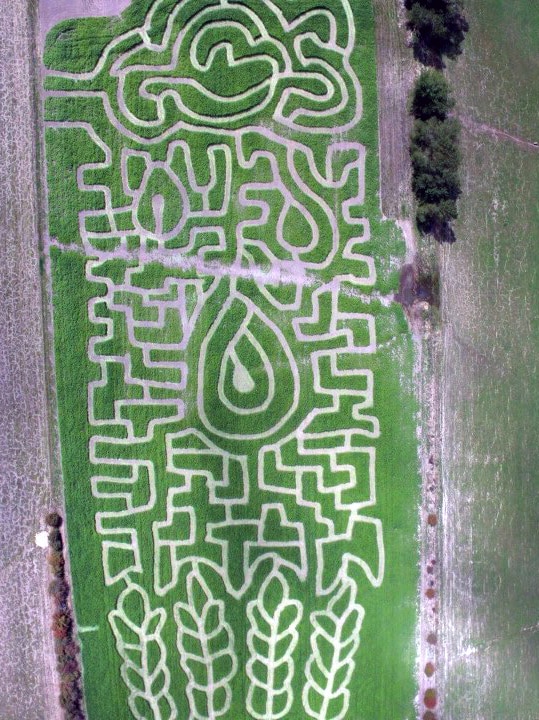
x=235, y=393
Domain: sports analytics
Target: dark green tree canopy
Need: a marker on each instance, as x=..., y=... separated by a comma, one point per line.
x=435, y=156
x=431, y=96
x=438, y=28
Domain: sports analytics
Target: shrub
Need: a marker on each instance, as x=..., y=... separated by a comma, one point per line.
x=431, y=96
x=70, y=649
x=57, y=563
x=59, y=589
x=438, y=28
x=70, y=703
x=70, y=671
x=60, y=644
x=61, y=624
x=54, y=519
x=55, y=540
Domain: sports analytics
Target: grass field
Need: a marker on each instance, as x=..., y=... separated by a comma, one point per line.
x=237, y=414
x=491, y=335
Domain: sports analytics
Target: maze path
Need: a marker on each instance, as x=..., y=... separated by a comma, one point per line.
x=232, y=415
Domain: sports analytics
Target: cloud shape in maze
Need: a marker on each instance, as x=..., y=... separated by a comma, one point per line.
x=226, y=64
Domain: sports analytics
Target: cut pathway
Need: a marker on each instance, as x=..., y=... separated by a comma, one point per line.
x=475, y=126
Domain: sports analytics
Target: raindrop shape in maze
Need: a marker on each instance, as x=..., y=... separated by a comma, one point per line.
x=245, y=365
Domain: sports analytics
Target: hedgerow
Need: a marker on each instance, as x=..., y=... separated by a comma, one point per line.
x=435, y=152
x=65, y=647
x=435, y=156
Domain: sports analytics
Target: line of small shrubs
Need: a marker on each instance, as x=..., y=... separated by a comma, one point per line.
x=438, y=29
x=66, y=649
x=435, y=155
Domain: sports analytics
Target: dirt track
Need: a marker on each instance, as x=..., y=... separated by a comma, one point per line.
x=28, y=687
x=474, y=126
x=396, y=72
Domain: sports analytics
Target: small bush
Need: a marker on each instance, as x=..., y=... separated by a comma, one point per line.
x=70, y=689
x=70, y=649
x=55, y=540
x=431, y=96
x=61, y=624
x=54, y=519
x=59, y=589
x=56, y=563
x=70, y=703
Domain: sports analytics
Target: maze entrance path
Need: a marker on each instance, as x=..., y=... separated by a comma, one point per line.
x=234, y=380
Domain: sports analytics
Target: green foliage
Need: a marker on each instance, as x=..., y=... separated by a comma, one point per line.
x=65, y=648
x=435, y=155
x=431, y=96
x=438, y=28
x=61, y=624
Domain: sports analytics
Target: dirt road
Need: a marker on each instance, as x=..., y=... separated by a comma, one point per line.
x=396, y=72
x=27, y=690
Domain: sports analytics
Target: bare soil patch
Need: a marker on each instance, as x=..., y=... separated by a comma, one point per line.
x=28, y=688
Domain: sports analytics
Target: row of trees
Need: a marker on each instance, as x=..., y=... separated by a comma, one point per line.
x=66, y=649
x=435, y=155
x=438, y=29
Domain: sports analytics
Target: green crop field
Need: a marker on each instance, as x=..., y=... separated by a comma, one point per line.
x=491, y=335
x=236, y=402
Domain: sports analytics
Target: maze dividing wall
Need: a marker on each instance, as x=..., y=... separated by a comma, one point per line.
x=208, y=177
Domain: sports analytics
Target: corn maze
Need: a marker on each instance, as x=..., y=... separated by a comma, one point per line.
x=237, y=439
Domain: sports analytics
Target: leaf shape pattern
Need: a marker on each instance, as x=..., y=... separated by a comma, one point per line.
x=137, y=630
x=206, y=645
x=271, y=640
x=334, y=642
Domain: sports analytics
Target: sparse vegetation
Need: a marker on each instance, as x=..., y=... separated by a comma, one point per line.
x=55, y=540
x=57, y=564
x=435, y=155
x=59, y=590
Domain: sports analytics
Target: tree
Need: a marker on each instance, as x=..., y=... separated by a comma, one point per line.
x=431, y=96
x=435, y=156
x=438, y=28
